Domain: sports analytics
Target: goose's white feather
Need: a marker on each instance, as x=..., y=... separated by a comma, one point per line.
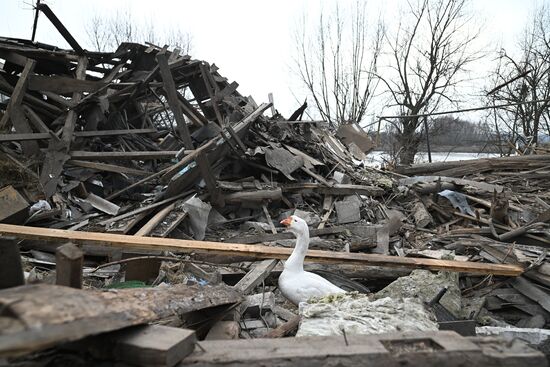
x=296, y=284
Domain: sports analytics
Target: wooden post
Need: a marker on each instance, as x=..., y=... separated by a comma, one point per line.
x=68, y=265
x=427, y=139
x=35, y=23
x=183, y=129
x=11, y=270
x=173, y=102
x=14, y=112
x=72, y=115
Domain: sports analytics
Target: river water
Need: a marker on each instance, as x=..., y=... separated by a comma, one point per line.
x=377, y=158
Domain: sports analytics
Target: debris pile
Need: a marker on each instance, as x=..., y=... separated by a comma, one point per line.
x=148, y=186
x=121, y=141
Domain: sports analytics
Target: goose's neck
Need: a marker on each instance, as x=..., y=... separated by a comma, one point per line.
x=296, y=259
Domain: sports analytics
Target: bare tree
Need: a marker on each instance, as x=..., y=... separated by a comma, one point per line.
x=336, y=62
x=107, y=33
x=523, y=81
x=429, y=53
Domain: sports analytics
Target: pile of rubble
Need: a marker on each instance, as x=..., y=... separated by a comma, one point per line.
x=108, y=141
x=173, y=184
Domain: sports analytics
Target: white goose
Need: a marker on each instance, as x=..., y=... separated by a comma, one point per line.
x=296, y=284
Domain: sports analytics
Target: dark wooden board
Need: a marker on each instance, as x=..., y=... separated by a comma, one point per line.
x=421, y=349
x=40, y=316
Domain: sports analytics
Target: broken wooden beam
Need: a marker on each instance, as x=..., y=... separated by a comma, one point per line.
x=166, y=171
x=284, y=329
x=432, y=184
x=257, y=251
x=60, y=27
x=414, y=349
x=11, y=269
x=531, y=291
x=144, y=209
x=80, y=313
x=68, y=266
x=77, y=134
x=107, y=167
x=137, y=155
x=465, y=167
x=269, y=237
x=255, y=276
x=14, y=208
x=15, y=113
x=18, y=92
x=149, y=345
x=336, y=189
x=254, y=196
x=62, y=84
x=72, y=115
x=153, y=222
x=172, y=97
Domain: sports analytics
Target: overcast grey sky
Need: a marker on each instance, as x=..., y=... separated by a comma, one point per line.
x=250, y=41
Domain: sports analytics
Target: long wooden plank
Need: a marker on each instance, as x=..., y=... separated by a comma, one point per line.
x=157, y=154
x=108, y=167
x=265, y=252
x=445, y=348
x=78, y=134
x=336, y=189
x=61, y=84
x=86, y=134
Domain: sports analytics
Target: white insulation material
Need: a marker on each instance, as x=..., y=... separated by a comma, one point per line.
x=357, y=314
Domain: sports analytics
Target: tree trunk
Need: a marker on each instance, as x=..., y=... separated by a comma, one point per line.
x=408, y=141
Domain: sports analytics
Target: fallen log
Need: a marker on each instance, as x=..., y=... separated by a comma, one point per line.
x=257, y=251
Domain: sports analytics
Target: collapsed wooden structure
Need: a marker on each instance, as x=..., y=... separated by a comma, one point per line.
x=144, y=165
x=100, y=130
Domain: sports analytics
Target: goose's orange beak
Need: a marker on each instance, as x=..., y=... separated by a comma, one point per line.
x=286, y=221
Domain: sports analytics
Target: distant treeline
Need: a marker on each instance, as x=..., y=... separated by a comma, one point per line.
x=449, y=133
